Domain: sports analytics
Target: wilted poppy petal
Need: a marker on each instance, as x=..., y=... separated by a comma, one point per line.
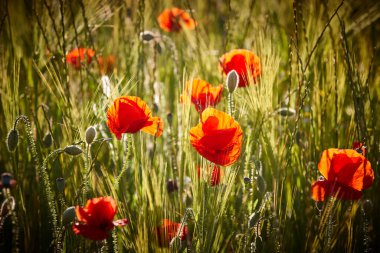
x=216, y=174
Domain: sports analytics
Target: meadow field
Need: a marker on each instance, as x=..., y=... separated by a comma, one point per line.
x=189, y=126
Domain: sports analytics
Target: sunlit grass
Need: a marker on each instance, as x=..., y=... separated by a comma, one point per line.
x=318, y=89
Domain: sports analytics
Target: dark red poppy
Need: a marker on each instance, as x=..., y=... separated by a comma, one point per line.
x=244, y=62
x=218, y=137
x=346, y=174
x=95, y=220
x=168, y=230
x=130, y=114
x=78, y=56
x=216, y=174
x=174, y=19
x=202, y=94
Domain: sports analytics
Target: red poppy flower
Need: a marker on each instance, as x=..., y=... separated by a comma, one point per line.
x=216, y=174
x=244, y=62
x=174, y=19
x=80, y=55
x=95, y=220
x=218, y=137
x=202, y=94
x=168, y=230
x=130, y=114
x=107, y=66
x=347, y=173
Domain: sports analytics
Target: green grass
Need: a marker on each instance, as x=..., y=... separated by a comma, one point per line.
x=319, y=58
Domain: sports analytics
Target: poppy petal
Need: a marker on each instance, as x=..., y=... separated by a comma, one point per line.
x=323, y=189
x=155, y=127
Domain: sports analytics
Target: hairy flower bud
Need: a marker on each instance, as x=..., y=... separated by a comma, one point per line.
x=169, y=117
x=68, y=215
x=73, y=150
x=48, y=140
x=12, y=140
x=147, y=36
x=232, y=81
x=90, y=134
x=286, y=112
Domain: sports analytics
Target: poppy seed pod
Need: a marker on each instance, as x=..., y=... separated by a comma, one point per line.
x=12, y=140
x=147, y=36
x=60, y=184
x=7, y=180
x=48, y=140
x=68, y=215
x=90, y=134
x=232, y=81
x=73, y=150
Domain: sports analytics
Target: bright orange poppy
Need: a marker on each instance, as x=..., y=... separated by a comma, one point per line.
x=218, y=137
x=130, y=114
x=202, y=94
x=95, y=220
x=216, y=174
x=78, y=56
x=174, y=19
x=168, y=230
x=346, y=174
x=244, y=62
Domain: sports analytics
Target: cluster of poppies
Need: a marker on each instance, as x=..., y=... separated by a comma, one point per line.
x=218, y=137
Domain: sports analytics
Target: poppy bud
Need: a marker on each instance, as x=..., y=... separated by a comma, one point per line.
x=73, y=150
x=48, y=140
x=171, y=186
x=286, y=112
x=247, y=180
x=147, y=36
x=68, y=215
x=232, y=81
x=60, y=184
x=90, y=134
x=12, y=140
